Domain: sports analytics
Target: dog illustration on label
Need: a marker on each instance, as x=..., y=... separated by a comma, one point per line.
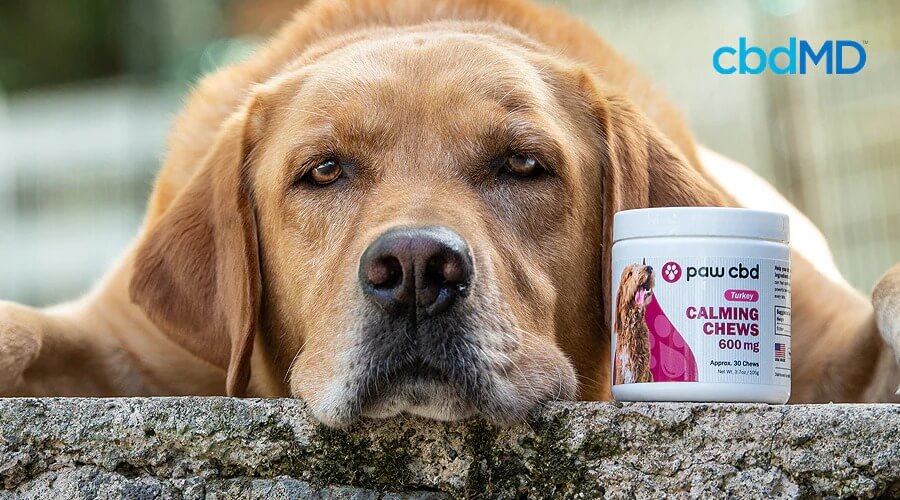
x=648, y=346
x=632, y=360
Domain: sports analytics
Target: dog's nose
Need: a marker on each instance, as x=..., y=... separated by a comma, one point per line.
x=649, y=269
x=426, y=268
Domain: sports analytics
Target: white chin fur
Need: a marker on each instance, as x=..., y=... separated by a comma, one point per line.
x=333, y=408
x=426, y=399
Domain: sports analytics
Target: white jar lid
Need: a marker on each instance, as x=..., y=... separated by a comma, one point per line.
x=700, y=221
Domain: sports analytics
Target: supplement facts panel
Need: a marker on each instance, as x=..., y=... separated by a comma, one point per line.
x=783, y=324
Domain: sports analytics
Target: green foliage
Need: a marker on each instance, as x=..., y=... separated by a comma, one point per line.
x=51, y=42
x=48, y=42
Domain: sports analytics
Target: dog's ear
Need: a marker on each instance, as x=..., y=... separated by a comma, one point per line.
x=640, y=167
x=196, y=269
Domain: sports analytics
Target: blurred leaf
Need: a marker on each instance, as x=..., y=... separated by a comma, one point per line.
x=44, y=42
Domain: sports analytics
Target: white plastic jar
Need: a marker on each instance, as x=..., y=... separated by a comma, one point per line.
x=701, y=303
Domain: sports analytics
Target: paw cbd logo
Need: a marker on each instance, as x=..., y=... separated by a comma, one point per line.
x=798, y=57
x=671, y=272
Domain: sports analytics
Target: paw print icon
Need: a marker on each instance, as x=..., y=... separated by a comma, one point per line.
x=671, y=272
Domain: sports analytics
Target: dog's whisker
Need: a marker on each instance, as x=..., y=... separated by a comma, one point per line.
x=298, y=110
x=294, y=360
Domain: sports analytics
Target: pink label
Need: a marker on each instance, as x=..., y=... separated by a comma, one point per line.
x=742, y=295
x=671, y=358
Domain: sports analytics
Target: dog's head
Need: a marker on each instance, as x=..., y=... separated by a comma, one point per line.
x=411, y=220
x=635, y=288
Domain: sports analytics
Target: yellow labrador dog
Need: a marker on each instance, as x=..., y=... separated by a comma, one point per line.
x=405, y=206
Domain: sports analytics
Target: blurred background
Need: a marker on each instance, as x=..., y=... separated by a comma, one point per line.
x=88, y=89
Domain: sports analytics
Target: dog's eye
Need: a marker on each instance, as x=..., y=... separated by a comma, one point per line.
x=325, y=173
x=523, y=166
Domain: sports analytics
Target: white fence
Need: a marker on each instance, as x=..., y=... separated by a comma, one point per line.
x=76, y=165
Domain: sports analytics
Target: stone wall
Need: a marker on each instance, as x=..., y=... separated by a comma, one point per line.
x=223, y=448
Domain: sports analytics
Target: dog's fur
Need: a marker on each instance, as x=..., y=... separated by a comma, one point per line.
x=632, y=357
x=243, y=279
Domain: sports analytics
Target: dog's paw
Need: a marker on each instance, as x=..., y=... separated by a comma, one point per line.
x=886, y=299
x=20, y=343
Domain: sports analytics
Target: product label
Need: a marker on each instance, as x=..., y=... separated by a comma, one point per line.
x=701, y=319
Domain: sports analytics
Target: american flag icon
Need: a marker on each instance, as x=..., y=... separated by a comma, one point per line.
x=780, y=351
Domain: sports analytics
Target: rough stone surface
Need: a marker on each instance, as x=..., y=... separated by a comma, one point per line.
x=226, y=448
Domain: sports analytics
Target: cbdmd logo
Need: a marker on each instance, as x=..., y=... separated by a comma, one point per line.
x=836, y=55
x=671, y=272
